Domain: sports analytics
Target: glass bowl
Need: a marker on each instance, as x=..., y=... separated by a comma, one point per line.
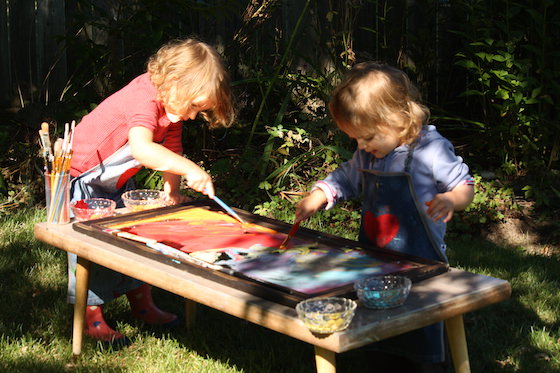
x=143, y=199
x=326, y=315
x=93, y=208
x=383, y=291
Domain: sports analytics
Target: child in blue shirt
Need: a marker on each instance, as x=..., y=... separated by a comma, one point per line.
x=380, y=108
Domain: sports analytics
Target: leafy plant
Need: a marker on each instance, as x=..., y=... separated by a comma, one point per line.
x=342, y=220
x=513, y=79
x=149, y=179
x=299, y=158
x=492, y=202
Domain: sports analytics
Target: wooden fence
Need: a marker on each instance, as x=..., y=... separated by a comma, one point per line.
x=33, y=61
x=32, y=58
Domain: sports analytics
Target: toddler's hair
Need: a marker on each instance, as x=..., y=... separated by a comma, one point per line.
x=376, y=98
x=182, y=70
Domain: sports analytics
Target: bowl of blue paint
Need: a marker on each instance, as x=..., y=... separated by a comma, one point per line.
x=380, y=292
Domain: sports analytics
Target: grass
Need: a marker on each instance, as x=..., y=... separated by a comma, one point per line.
x=518, y=335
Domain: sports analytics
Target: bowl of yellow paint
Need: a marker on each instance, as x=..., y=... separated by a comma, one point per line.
x=143, y=199
x=326, y=315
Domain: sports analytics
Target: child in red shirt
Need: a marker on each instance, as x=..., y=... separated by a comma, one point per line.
x=141, y=126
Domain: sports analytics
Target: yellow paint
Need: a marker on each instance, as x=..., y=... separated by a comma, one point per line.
x=195, y=215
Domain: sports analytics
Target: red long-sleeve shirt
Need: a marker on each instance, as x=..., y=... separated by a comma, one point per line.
x=105, y=130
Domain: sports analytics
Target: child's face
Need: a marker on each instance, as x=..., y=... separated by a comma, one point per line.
x=378, y=144
x=198, y=104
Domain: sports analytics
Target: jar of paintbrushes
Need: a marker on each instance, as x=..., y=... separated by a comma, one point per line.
x=57, y=159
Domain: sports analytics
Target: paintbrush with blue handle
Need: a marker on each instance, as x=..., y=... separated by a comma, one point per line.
x=228, y=209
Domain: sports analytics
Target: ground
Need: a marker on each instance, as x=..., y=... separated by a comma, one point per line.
x=524, y=228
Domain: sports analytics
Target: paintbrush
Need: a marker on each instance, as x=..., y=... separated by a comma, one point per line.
x=228, y=209
x=291, y=234
x=58, y=155
x=44, y=150
x=68, y=141
x=46, y=143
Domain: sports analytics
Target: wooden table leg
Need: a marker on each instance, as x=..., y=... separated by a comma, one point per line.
x=325, y=360
x=82, y=286
x=190, y=313
x=458, y=344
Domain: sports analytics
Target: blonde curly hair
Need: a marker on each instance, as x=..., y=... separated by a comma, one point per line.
x=183, y=70
x=378, y=98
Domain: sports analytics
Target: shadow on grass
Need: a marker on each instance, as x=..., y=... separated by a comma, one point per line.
x=35, y=316
x=31, y=305
x=249, y=347
x=501, y=337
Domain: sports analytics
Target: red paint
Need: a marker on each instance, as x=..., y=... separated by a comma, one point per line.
x=196, y=236
x=381, y=229
x=126, y=175
x=81, y=204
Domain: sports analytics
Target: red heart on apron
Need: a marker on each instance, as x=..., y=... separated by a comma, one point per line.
x=381, y=229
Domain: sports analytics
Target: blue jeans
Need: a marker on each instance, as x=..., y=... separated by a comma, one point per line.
x=104, y=284
x=425, y=345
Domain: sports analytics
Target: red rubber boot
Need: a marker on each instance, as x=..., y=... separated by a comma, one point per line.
x=144, y=309
x=97, y=328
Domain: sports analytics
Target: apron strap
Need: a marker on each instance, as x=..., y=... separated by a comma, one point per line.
x=408, y=159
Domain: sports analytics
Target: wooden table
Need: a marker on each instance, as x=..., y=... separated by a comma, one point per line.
x=445, y=297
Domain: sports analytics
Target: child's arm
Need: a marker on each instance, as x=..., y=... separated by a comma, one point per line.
x=158, y=157
x=310, y=204
x=171, y=187
x=444, y=204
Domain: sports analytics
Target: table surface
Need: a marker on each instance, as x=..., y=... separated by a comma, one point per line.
x=435, y=299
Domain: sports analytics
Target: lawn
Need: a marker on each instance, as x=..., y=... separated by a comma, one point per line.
x=521, y=334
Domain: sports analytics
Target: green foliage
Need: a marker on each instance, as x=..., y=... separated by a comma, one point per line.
x=297, y=158
x=343, y=220
x=21, y=183
x=493, y=201
x=513, y=71
x=149, y=179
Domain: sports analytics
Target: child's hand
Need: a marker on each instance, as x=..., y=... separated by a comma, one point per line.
x=310, y=204
x=200, y=180
x=444, y=204
x=441, y=207
x=175, y=198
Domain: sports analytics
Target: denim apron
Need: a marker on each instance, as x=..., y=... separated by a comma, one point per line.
x=109, y=179
x=392, y=218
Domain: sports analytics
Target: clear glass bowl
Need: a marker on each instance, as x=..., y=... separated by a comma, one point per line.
x=383, y=291
x=326, y=315
x=143, y=199
x=93, y=208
